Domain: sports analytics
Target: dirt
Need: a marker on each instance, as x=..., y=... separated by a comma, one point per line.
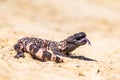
x=56, y=20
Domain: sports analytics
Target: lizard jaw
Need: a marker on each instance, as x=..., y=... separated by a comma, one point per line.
x=83, y=41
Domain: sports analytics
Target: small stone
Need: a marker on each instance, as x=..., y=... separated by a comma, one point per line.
x=77, y=66
x=98, y=71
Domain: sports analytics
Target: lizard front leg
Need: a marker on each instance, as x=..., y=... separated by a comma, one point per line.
x=18, y=48
x=55, y=49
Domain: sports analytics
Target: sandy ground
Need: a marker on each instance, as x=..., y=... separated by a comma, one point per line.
x=56, y=20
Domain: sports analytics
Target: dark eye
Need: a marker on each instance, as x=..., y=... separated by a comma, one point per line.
x=78, y=38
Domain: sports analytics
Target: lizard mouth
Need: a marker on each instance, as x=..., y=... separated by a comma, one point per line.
x=83, y=41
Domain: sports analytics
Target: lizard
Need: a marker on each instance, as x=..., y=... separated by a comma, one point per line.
x=39, y=48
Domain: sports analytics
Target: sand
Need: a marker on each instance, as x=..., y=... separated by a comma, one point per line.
x=56, y=20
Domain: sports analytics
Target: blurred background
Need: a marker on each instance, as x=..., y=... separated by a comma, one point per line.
x=56, y=20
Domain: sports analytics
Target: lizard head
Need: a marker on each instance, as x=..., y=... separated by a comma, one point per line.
x=74, y=41
x=80, y=39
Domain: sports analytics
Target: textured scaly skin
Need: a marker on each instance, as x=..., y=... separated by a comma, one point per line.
x=40, y=48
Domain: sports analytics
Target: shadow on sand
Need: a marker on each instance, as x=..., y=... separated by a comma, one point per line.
x=81, y=58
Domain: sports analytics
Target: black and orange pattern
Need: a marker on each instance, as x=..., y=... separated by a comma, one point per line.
x=40, y=48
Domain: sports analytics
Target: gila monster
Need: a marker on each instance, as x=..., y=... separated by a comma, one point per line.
x=40, y=48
